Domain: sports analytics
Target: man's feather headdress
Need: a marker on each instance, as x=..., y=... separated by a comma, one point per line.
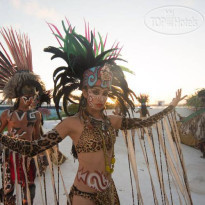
x=16, y=69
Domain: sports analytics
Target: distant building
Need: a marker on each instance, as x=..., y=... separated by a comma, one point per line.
x=161, y=103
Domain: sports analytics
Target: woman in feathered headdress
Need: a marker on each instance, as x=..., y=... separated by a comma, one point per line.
x=93, y=70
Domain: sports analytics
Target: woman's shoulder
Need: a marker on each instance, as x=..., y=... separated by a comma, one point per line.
x=115, y=120
x=72, y=120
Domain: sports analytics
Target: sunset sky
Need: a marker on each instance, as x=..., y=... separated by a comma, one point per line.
x=162, y=61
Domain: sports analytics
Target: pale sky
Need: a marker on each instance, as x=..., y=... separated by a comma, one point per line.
x=162, y=62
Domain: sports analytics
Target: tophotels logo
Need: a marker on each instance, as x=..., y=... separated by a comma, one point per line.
x=173, y=20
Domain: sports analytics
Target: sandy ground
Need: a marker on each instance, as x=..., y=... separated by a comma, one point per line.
x=194, y=164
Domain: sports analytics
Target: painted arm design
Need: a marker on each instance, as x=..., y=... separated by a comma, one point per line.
x=31, y=148
x=132, y=123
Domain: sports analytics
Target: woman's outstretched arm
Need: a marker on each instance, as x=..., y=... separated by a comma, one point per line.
x=133, y=123
x=46, y=141
x=124, y=123
x=31, y=148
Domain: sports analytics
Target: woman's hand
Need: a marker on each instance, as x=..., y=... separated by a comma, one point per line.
x=178, y=98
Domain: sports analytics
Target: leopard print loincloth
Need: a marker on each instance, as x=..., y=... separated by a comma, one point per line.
x=107, y=197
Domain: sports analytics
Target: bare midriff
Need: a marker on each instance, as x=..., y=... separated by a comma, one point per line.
x=91, y=175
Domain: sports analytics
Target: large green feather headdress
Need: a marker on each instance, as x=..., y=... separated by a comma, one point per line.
x=81, y=53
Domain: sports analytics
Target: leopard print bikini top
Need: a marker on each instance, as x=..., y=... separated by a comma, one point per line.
x=91, y=139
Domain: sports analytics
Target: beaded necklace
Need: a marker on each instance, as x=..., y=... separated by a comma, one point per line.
x=102, y=126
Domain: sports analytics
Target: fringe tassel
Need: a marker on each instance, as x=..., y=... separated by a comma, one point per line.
x=52, y=176
x=39, y=179
x=158, y=172
x=148, y=168
x=65, y=190
x=128, y=157
x=45, y=192
x=3, y=174
x=169, y=147
x=16, y=179
x=134, y=166
x=177, y=137
x=26, y=179
x=171, y=164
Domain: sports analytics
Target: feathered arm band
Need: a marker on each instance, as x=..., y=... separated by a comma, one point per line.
x=133, y=123
x=31, y=148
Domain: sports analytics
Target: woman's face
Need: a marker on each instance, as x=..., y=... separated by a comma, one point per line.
x=97, y=97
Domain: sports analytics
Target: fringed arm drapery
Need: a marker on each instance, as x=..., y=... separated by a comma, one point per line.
x=169, y=165
x=134, y=123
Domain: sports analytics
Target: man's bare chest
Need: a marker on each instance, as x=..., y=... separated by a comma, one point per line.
x=21, y=123
x=19, y=118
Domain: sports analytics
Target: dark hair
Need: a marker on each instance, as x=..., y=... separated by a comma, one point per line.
x=16, y=104
x=80, y=109
x=73, y=152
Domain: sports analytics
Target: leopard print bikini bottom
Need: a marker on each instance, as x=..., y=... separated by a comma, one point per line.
x=107, y=197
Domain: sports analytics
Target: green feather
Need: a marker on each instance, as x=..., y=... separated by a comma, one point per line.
x=96, y=45
x=78, y=48
x=103, y=55
x=127, y=70
x=101, y=43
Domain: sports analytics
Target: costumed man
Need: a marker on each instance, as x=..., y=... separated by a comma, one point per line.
x=143, y=99
x=194, y=125
x=144, y=112
x=17, y=81
x=92, y=131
